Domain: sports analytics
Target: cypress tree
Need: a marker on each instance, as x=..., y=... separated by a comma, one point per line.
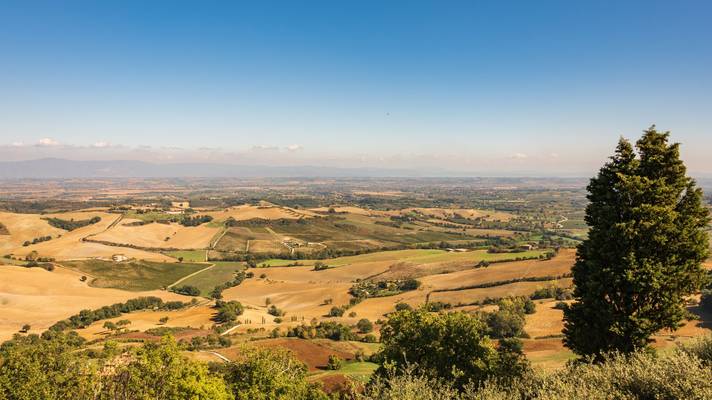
x=644, y=250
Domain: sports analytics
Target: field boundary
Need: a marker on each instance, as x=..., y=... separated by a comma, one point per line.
x=189, y=276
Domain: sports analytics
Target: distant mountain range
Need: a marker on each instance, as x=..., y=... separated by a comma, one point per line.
x=54, y=168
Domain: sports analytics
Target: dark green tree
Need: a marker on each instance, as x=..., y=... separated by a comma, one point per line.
x=450, y=346
x=644, y=250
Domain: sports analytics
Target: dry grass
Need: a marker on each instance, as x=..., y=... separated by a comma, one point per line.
x=154, y=235
x=24, y=227
x=245, y=212
x=70, y=246
x=40, y=298
x=194, y=317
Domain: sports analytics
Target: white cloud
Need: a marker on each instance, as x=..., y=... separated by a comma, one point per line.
x=295, y=147
x=47, y=142
x=101, y=145
x=17, y=144
x=519, y=156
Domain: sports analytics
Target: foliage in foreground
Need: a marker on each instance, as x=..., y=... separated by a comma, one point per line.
x=684, y=374
x=453, y=346
x=35, y=368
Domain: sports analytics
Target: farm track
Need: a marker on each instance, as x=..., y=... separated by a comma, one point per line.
x=189, y=276
x=215, y=242
x=218, y=355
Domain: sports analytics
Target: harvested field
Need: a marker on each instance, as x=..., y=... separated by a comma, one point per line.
x=70, y=245
x=559, y=265
x=469, y=296
x=300, y=299
x=443, y=213
x=132, y=275
x=41, y=298
x=23, y=227
x=193, y=317
x=246, y=212
x=267, y=246
x=154, y=235
x=314, y=353
x=350, y=210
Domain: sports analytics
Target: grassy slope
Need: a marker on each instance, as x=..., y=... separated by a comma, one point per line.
x=417, y=256
x=188, y=255
x=134, y=275
x=207, y=280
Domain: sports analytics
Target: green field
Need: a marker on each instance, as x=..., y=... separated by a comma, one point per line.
x=134, y=275
x=360, y=371
x=220, y=273
x=415, y=256
x=343, y=232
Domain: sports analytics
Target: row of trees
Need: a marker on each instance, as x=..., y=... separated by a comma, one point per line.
x=70, y=225
x=86, y=317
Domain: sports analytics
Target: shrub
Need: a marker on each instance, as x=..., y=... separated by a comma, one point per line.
x=320, y=266
x=364, y=326
x=186, y=290
x=529, y=307
x=336, y=312
x=273, y=310
x=560, y=305
x=370, y=338
x=228, y=311
x=403, y=306
x=334, y=363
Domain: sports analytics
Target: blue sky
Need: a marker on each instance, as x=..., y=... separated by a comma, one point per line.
x=527, y=87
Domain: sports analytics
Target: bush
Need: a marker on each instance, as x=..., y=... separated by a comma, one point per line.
x=336, y=312
x=700, y=348
x=334, y=363
x=273, y=310
x=560, y=305
x=186, y=290
x=529, y=307
x=253, y=376
x=370, y=338
x=403, y=306
x=228, y=311
x=320, y=266
x=640, y=375
x=364, y=326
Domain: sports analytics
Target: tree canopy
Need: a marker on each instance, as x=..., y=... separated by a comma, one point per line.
x=644, y=249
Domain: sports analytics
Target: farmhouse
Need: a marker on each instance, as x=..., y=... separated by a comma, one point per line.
x=180, y=204
x=119, y=258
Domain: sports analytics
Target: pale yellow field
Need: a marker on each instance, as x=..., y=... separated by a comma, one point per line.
x=70, y=246
x=245, y=212
x=154, y=235
x=194, y=317
x=24, y=227
x=512, y=289
x=301, y=292
x=465, y=212
x=559, y=265
x=41, y=298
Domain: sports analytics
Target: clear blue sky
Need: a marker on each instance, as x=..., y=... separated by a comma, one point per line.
x=531, y=87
